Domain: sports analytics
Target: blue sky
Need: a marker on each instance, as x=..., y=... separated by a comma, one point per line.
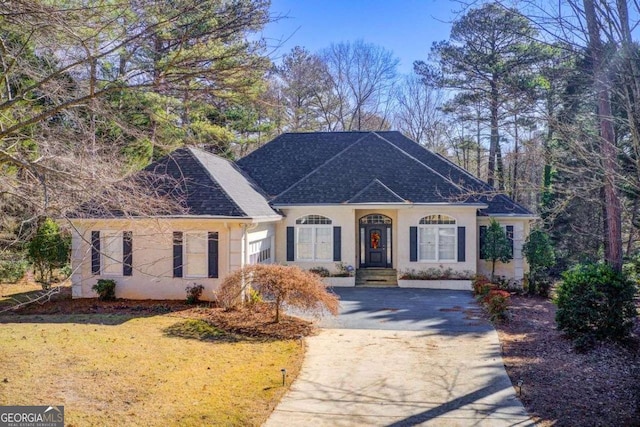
x=406, y=27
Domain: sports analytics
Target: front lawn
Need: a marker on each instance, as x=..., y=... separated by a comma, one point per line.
x=129, y=368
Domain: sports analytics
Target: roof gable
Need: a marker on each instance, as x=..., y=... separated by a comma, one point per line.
x=376, y=192
x=208, y=185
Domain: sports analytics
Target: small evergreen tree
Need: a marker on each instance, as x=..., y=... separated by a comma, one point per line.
x=540, y=256
x=49, y=249
x=496, y=246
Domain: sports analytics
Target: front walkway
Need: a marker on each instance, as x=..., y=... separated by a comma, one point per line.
x=402, y=357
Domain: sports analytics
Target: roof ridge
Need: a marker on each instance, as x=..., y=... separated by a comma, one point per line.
x=459, y=168
x=212, y=178
x=320, y=166
x=373, y=181
x=448, y=180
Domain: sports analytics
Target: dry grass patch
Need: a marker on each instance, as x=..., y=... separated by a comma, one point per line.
x=116, y=369
x=10, y=292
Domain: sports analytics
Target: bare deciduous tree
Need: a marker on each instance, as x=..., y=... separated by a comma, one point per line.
x=363, y=78
x=418, y=112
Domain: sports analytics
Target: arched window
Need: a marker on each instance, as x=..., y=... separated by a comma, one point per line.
x=437, y=237
x=313, y=220
x=375, y=219
x=314, y=238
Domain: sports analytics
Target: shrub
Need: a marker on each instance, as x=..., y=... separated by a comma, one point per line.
x=506, y=284
x=497, y=303
x=194, y=292
x=282, y=284
x=48, y=249
x=595, y=303
x=106, y=289
x=343, y=270
x=320, y=271
x=541, y=257
x=435, y=273
x=12, y=270
x=481, y=285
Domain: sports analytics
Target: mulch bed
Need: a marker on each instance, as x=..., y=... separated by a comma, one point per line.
x=562, y=387
x=256, y=321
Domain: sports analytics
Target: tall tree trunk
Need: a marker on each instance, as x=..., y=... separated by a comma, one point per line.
x=632, y=228
x=493, y=145
x=478, y=146
x=613, y=209
x=514, y=184
x=499, y=167
x=545, y=201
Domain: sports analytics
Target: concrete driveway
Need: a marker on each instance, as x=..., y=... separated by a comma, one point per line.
x=402, y=357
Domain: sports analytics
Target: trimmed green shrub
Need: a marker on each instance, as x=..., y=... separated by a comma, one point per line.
x=194, y=292
x=106, y=289
x=595, y=303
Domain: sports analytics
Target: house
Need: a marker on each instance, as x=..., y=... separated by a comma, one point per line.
x=376, y=201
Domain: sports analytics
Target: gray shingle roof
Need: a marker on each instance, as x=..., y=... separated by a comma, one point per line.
x=365, y=167
x=376, y=192
x=209, y=185
x=340, y=178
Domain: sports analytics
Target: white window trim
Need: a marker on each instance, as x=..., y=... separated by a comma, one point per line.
x=313, y=241
x=185, y=260
x=437, y=228
x=265, y=244
x=107, y=258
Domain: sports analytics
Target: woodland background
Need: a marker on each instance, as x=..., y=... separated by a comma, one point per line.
x=539, y=99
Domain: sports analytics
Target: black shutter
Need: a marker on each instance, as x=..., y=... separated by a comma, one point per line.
x=213, y=254
x=337, y=243
x=483, y=233
x=509, y=229
x=413, y=244
x=462, y=252
x=95, y=252
x=291, y=238
x=127, y=253
x=177, y=254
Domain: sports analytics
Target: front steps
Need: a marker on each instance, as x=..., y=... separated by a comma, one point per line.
x=377, y=277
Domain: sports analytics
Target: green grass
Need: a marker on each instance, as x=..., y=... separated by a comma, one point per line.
x=146, y=371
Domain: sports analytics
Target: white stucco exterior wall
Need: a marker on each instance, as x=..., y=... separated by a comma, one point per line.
x=152, y=243
x=403, y=217
x=341, y=216
x=464, y=216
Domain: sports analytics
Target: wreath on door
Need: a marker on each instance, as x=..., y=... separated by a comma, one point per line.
x=375, y=240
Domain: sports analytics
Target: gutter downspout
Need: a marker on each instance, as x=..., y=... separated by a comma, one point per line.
x=243, y=260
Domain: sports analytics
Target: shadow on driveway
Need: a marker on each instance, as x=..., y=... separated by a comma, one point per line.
x=402, y=357
x=434, y=311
